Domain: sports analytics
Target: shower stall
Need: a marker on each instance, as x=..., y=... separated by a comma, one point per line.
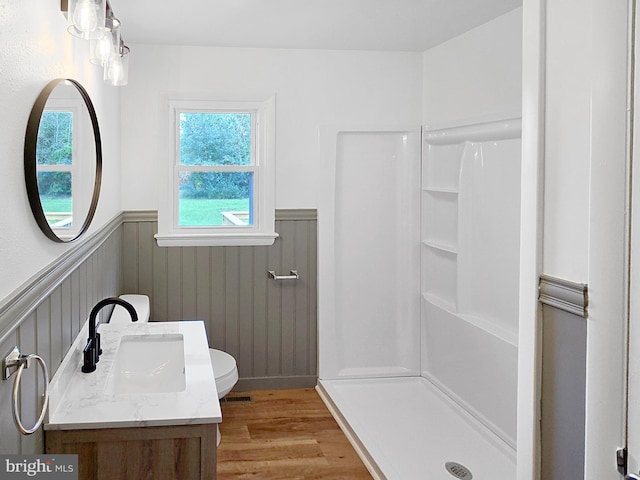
x=418, y=296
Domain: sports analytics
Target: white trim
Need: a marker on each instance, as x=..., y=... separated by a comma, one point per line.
x=222, y=239
x=607, y=79
x=529, y=334
x=633, y=254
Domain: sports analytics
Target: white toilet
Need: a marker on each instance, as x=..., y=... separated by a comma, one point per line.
x=224, y=365
x=225, y=371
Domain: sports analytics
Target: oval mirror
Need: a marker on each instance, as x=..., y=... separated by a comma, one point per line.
x=63, y=160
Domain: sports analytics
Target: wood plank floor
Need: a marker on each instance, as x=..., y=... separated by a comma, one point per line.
x=284, y=435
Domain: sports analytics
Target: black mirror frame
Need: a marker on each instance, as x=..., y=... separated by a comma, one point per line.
x=30, y=162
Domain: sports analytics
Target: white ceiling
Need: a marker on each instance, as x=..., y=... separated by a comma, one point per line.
x=409, y=25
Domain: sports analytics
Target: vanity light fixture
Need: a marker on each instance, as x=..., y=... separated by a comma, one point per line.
x=95, y=21
x=102, y=49
x=86, y=18
x=116, y=70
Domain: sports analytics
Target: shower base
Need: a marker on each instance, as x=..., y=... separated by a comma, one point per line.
x=405, y=428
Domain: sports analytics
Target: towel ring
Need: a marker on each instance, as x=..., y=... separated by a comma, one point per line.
x=24, y=361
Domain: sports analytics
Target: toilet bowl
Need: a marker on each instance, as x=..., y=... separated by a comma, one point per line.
x=225, y=371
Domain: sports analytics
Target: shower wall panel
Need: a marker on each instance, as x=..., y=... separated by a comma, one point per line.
x=369, y=255
x=470, y=261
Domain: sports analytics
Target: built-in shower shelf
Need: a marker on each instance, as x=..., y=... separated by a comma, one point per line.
x=440, y=219
x=440, y=246
x=438, y=301
x=448, y=191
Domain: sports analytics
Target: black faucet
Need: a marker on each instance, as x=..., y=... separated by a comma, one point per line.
x=92, y=350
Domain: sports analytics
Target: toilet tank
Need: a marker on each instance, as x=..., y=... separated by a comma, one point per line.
x=120, y=315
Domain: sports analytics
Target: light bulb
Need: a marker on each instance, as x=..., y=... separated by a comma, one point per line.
x=118, y=73
x=85, y=17
x=103, y=50
x=114, y=72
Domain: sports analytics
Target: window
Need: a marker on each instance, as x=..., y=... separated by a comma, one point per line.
x=64, y=173
x=54, y=167
x=219, y=182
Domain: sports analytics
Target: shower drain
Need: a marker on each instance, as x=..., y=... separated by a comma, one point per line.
x=458, y=471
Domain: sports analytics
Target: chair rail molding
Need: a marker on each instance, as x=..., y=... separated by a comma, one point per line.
x=565, y=295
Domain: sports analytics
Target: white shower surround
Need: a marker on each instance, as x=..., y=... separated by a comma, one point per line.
x=437, y=304
x=470, y=294
x=369, y=242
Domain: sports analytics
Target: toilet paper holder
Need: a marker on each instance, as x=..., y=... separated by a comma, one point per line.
x=293, y=275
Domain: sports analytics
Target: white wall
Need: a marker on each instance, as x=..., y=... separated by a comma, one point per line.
x=568, y=126
x=312, y=87
x=36, y=49
x=477, y=75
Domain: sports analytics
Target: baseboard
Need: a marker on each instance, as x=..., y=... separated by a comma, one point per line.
x=276, y=383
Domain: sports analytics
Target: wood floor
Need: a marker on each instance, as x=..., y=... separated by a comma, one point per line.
x=284, y=435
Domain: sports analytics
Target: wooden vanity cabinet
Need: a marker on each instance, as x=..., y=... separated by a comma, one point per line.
x=183, y=452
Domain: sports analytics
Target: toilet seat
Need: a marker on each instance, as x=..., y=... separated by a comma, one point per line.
x=225, y=371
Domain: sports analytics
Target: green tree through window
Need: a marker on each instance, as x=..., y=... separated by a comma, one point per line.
x=218, y=182
x=215, y=139
x=55, y=147
x=54, y=161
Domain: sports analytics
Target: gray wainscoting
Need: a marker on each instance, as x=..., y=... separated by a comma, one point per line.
x=269, y=326
x=564, y=356
x=45, y=316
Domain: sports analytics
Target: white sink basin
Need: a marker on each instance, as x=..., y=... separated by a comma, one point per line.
x=151, y=363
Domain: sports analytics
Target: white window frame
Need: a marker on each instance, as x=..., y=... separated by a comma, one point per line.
x=262, y=230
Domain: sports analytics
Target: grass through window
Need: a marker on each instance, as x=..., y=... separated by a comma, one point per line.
x=207, y=212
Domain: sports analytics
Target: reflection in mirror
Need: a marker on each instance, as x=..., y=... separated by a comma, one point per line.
x=63, y=160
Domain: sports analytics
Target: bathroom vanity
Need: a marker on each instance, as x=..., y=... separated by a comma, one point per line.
x=173, y=452
x=149, y=410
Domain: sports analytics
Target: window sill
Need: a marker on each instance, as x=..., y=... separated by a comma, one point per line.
x=215, y=240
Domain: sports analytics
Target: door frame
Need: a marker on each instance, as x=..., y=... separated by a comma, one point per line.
x=607, y=78
x=632, y=416
x=532, y=175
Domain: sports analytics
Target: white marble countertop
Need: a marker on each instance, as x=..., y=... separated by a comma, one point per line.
x=81, y=401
